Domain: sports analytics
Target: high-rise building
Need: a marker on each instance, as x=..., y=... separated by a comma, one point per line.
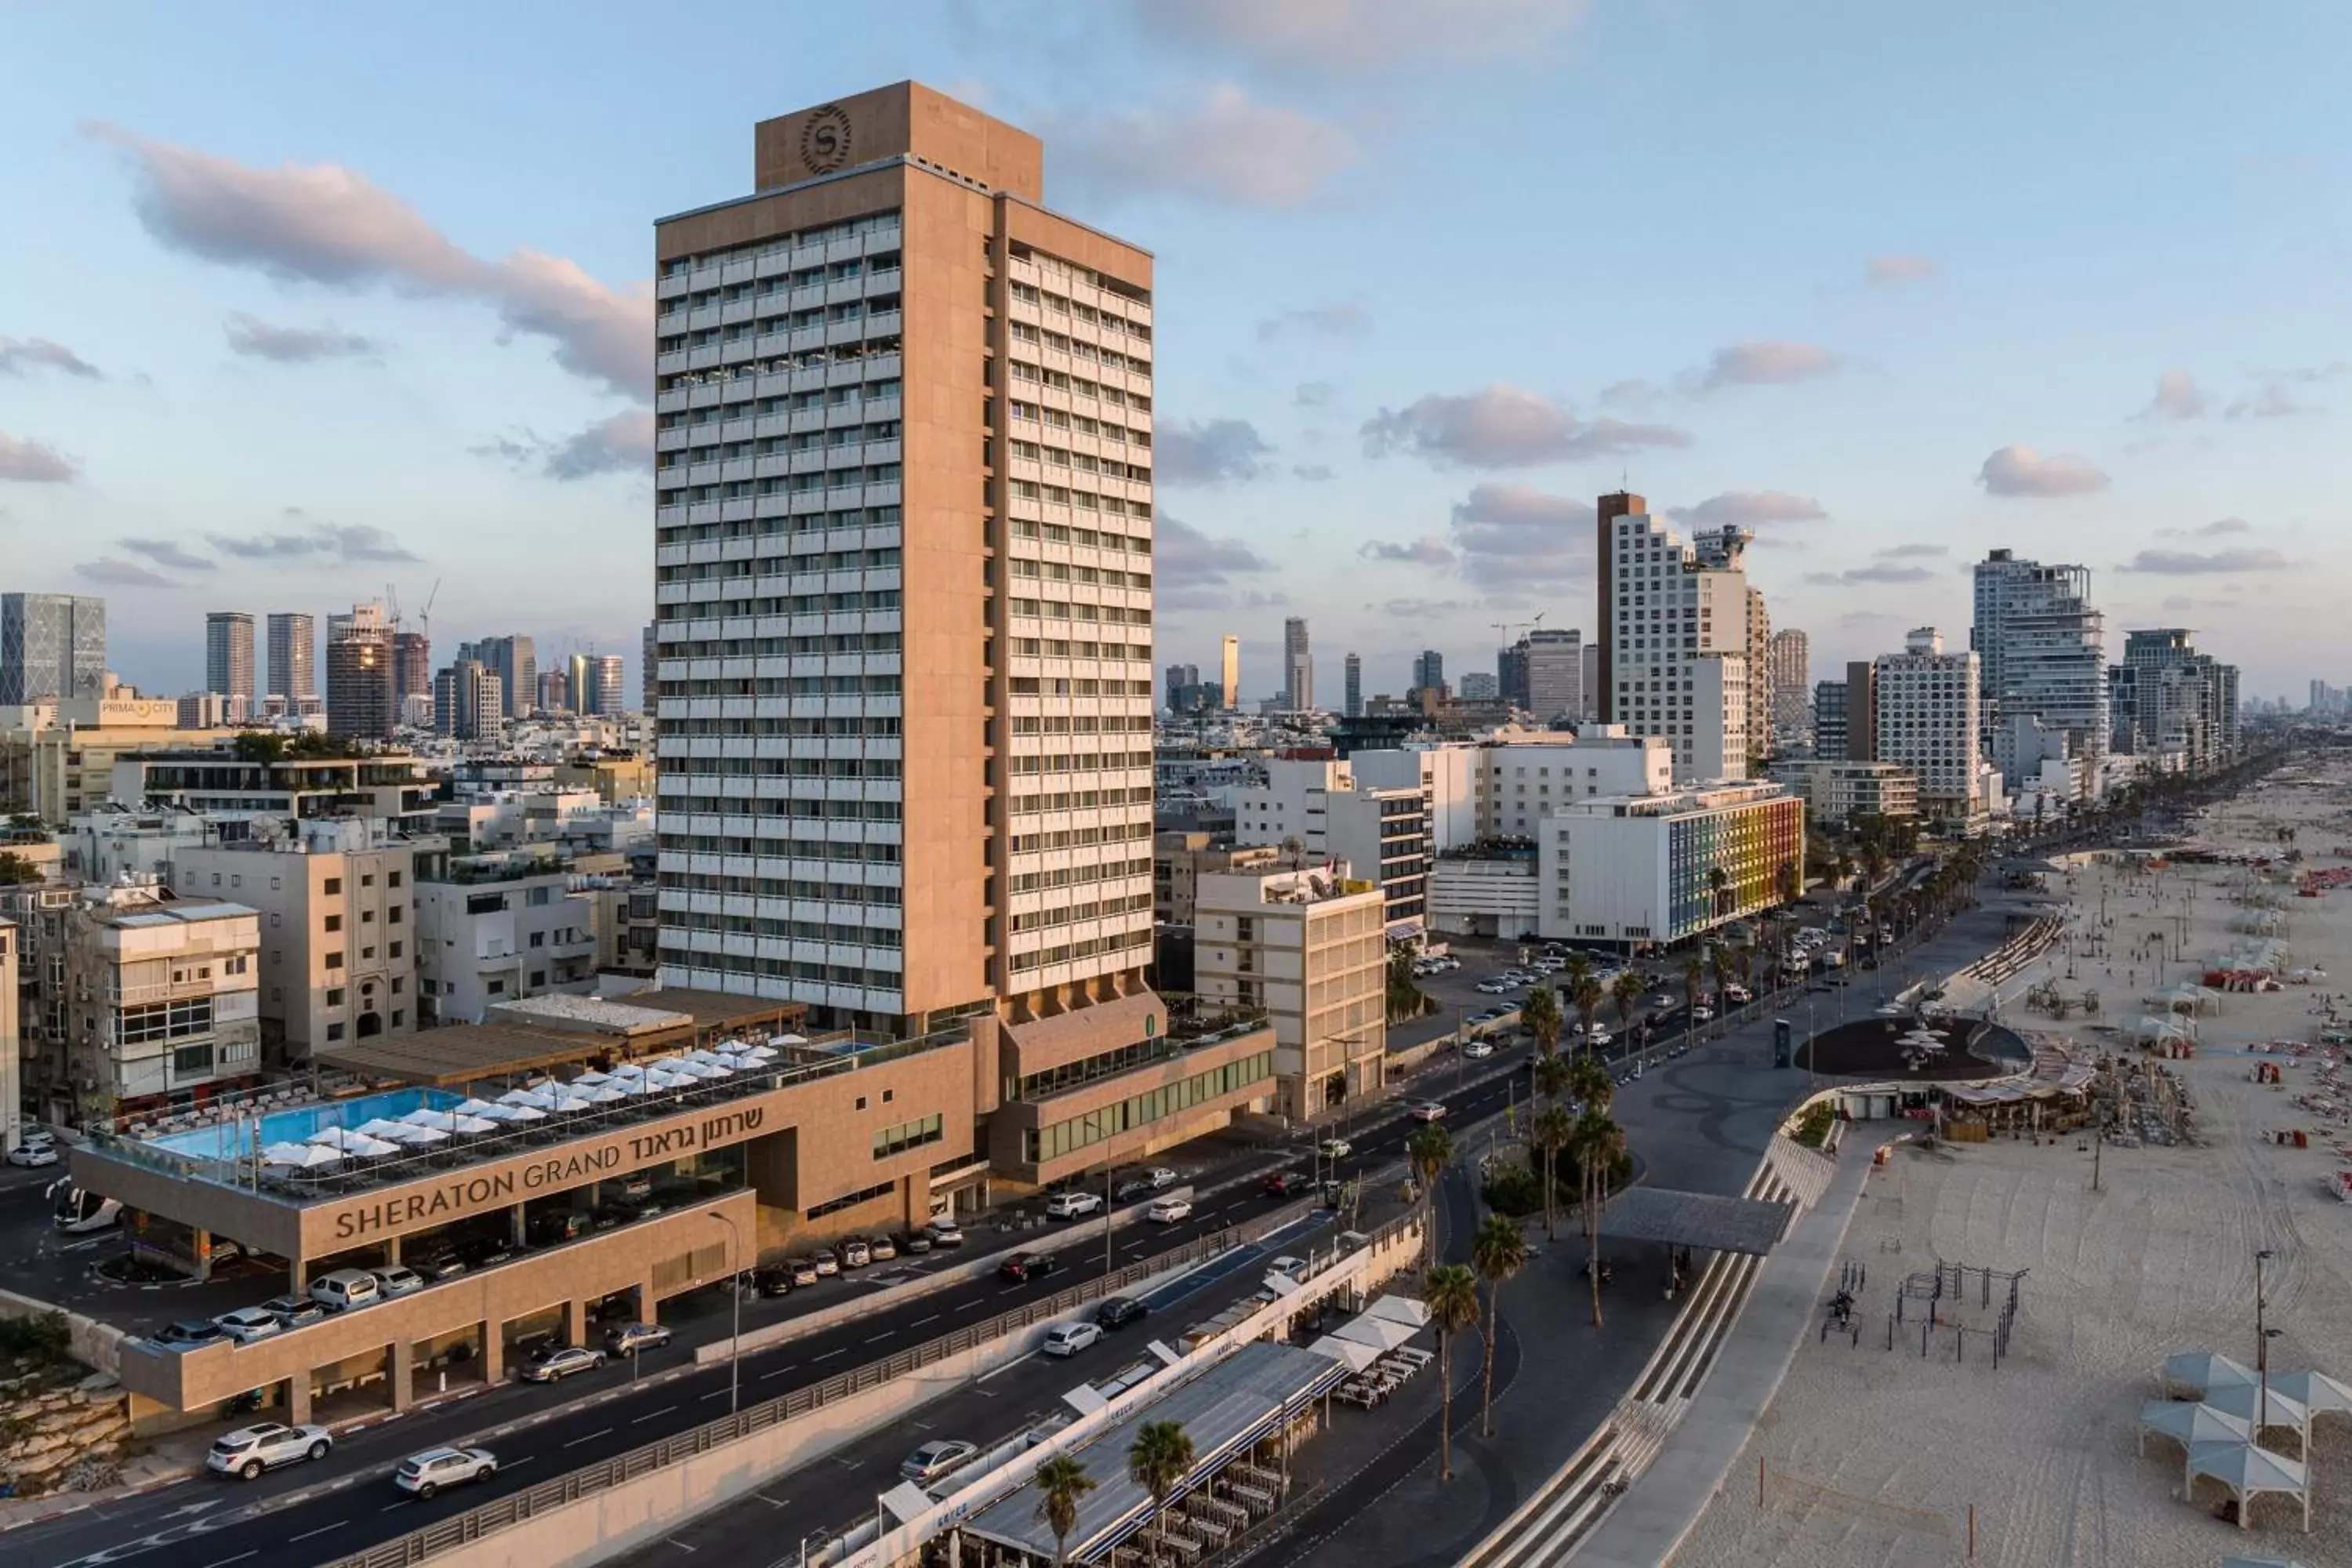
x=1297, y=667
x=1229, y=672
x=467, y=702
x=554, y=691
x=515, y=661
x=1181, y=678
x=1675, y=640
x=1551, y=660
x=1861, y=728
x=1352, y=669
x=1478, y=686
x=1759, y=683
x=945, y=782
x=293, y=655
x=52, y=647
x=412, y=667
x=1830, y=726
x=2184, y=704
x=593, y=684
x=2043, y=645
x=649, y=674
x=1925, y=721
x=359, y=703
x=1790, y=657
x=1607, y=513
x=1429, y=670
x=228, y=661
x=1511, y=672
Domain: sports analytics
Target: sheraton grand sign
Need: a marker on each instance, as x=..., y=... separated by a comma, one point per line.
x=505, y=1183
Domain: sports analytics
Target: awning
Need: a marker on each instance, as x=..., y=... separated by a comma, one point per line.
x=1373, y=1331
x=1356, y=1355
x=1696, y=1219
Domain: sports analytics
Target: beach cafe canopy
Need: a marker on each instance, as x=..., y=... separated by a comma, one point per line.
x=1377, y=1332
x=1355, y=1355
x=2190, y=1424
x=2318, y=1393
x=2248, y=1472
x=1709, y=1220
x=2201, y=1372
x=1410, y=1311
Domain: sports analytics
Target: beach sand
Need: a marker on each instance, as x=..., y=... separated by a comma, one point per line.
x=1873, y=1457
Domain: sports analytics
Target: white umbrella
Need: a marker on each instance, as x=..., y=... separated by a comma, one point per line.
x=525, y=1097
x=471, y=1107
x=589, y=1081
x=379, y=1127
x=303, y=1156
x=336, y=1138
x=788, y=1039
x=663, y=1064
x=564, y=1099
x=621, y=1087
x=370, y=1148
x=409, y=1133
x=605, y=1093
x=759, y=1053
x=514, y=1113
x=702, y=1055
x=703, y=1069
x=472, y=1124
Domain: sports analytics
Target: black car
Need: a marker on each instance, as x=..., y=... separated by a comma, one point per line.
x=772, y=1281
x=481, y=1251
x=1285, y=1183
x=1117, y=1312
x=1129, y=1191
x=189, y=1331
x=438, y=1264
x=1024, y=1267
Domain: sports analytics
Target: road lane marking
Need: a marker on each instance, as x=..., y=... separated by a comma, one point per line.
x=404, y=1502
x=681, y=1545
x=890, y=1334
x=238, y=1558
x=838, y=1350
x=651, y=1414
x=320, y=1530
x=773, y=1502
x=764, y=1376
x=919, y=1323
x=589, y=1439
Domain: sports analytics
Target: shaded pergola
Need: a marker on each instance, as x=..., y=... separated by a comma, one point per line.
x=1709, y=1220
x=2247, y=1471
x=2190, y=1424
x=2202, y=1371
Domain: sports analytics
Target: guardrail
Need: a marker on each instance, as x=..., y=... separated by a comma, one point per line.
x=519, y=1508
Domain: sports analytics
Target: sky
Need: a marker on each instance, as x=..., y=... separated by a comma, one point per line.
x=303, y=306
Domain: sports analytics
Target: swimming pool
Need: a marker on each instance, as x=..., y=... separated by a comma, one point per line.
x=297, y=1124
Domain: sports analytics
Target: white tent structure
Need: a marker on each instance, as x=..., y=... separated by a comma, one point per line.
x=2190, y=1424
x=2240, y=1399
x=2318, y=1393
x=1377, y=1332
x=1356, y=1354
x=2201, y=1372
x=2247, y=1472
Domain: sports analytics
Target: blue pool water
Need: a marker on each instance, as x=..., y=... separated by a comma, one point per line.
x=298, y=1123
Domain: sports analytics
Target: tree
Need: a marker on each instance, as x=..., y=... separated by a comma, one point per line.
x=1549, y=1135
x=1497, y=1251
x=257, y=746
x=1625, y=994
x=1552, y=1075
x=1590, y=1083
x=1598, y=1143
x=1451, y=1293
x=1541, y=1015
x=16, y=869
x=1159, y=1458
x=1430, y=1151
x=1693, y=972
x=1579, y=970
x=1788, y=881
x=1587, y=997
x=1718, y=882
x=1061, y=1482
x=1405, y=1000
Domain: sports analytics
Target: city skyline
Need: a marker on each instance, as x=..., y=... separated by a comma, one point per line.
x=461, y=343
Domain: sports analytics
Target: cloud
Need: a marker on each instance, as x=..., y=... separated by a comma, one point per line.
x=1876, y=572
x=1634, y=393
x=168, y=553
x=330, y=226
x=20, y=355
x=1313, y=473
x=2178, y=397
x=1317, y=35
x=2221, y=525
x=1425, y=551
x=1225, y=150
x=1913, y=552
x=327, y=542
x=120, y=574
x=1517, y=536
x=1208, y=452
x=2020, y=470
x=622, y=444
x=30, y=462
x=1898, y=267
x=1196, y=571
x=2272, y=402
x=1745, y=509
x=1314, y=394
x=1765, y=364
x=256, y=339
x=2192, y=564
x=2177, y=602
x=1344, y=320
x=1419, y=609
x=1503, y=426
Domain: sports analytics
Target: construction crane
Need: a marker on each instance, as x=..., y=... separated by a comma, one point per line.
x=1507, y=628
x=425, y=615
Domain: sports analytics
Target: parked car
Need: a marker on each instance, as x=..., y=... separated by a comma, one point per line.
x=1289, y=1267
x=1024, y=1267
x=552, y=1362
x=1702, y=1013
x=295, y=1312
x=882, y=1248
x=1117, y=1312
x=944, y=1232
x=932, y=1460
x=437, y=1264
x=1738, y=994
x=802, y=1270
x=828, y=1261
x=630, y=1338
x=1495, y=987
x=1070, y=1339
x=397, y=1281
x=264, y=1446
x=913, y=1242
x=1167, y=1211
x=428, y=1472
x=32, y=1154
x=554, y=1228
x=482, y=1251
x=773, y=1281
x=856, y=1252
x=1072, y=1204
x=1160, y=1176
x=1598, y=1038
x=1127, y=1191
x=247, y=1324
x=189, y=1331
x=1428, y=1111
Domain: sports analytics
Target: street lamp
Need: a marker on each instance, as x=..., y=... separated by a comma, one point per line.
x=735, y=1299
x=2263, y=1337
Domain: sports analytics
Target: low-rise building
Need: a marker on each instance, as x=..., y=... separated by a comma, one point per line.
x=1320, y=805
x=226, y=782
x=1522, y=775
x=55, y=770
x=1837, y=791
x=495, y=927
x=1486, y=889
x=1178, y=861
x=1305, y=947
x=1644, y=871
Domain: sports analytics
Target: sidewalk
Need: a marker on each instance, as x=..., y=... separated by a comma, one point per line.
x=1649, y=1522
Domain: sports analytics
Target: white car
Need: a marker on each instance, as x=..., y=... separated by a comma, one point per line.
x=247, y=1324
x=253, y=1450
x=1598, y=1038
x=932, y=1460
x=426, y=1473
x=1167, y=1211
x=32, y=1154
x=1070, y=1339
x=1071, y=1205
x=1428, y=1111
x=1495, y=987
x=1478, y=1051
x=1337, y=1148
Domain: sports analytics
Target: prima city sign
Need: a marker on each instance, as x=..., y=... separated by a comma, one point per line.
x=463, y=1192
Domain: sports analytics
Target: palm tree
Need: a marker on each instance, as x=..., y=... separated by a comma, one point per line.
x=1552, y=1075
x=1061, y=1482
x=1580, y=968
x=1598, y=1143
x=1497, y=1251
x=1692, y=972
x=1159, y=1458
x=1717, y=882
x=1587, y=997
x=1451, y=1293
x=1549, y=1133
x=1589, y=1082
x=1625, y=994
x=1430, y=1151
x=1718, y=962
x=1541, y=1016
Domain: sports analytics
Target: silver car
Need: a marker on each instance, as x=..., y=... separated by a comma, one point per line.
x=249, y=1451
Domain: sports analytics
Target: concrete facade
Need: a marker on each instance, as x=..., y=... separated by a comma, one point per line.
x=1661, y=868
x=1307, y=946
x=1924, y=720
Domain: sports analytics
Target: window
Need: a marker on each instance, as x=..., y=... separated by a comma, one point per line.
x=538, y=939
x=538, y=978
x=334, y=961
x=335, y=996
x=398, y=1017
x=398, y=984
x=851, y=1199
x=909, y=1135
x=167, y=1020
x=497, y=987
x=333, y=888
x=334, y=1031
x=395, y=949
x=392, y=880
x=192, y=1059
x=367, y=878
x=334, y=923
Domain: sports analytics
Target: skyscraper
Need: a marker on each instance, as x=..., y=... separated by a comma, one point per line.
x=1792, y=688
x=1675, y=646
x=978, y=892
x=649, y=674
x=411, y=667
x=2043, y=645
x=2185, y=703
x=1511, y=672
x=593, y=683
x=1229, y=672
x=293, y=652
x=1297, y=667
x=229, y=660
x=1354, y=666
x=1429, y=670
x=1924, y=704
x=554, y=691
x=1551, y=660
x=467, y=702
x=52, y=647
x=1760, y=682
x=515, y=661
x=359, y=674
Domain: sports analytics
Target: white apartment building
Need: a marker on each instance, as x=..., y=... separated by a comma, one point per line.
x=159, y=1001
x=1522, y=775
x=2043, y=645
x=1927, y=715
x=1446, y=776
x=1308, y=946
x=1646, y=870
x=1322, y=805
x=1485, y=893
x=494, y=928
x=1837, y=790
x=1676, y=641
x=1554, y=660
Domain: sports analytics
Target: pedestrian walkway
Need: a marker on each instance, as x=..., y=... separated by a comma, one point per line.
x=1649, y=1522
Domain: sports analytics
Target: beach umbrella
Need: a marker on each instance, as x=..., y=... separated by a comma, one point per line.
x=660, y=1080
x=378, y=1127
x=605, y=1093
x=409, y=1132
x=788, y=1039
x=2204, y=1371
x=341, y=1137
x=759, y=1053
x=589, y=1081
x=702, y=1055
x=663, y=1064
x=534, y=1097
x=703, y=1069
x=302, y=1156
x=366, y=1148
